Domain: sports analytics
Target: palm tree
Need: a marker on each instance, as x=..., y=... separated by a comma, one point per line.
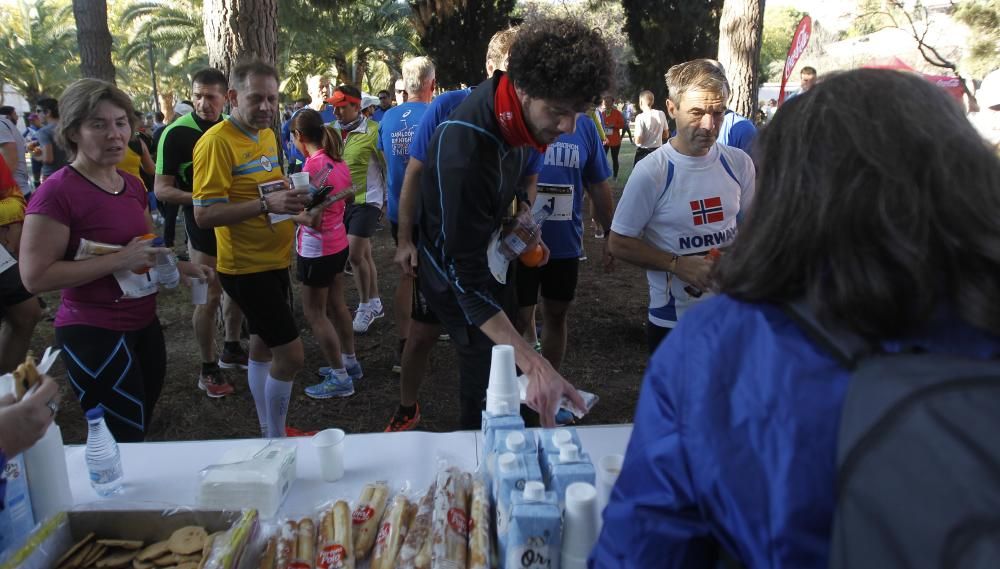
x=38, y=49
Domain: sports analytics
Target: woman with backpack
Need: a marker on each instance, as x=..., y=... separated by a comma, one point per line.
x=847, y=368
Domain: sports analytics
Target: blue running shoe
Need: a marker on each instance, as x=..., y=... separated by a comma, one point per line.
x=331, y=386
x=354, y=371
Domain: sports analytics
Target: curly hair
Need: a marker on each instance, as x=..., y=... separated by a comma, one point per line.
x=561, y=59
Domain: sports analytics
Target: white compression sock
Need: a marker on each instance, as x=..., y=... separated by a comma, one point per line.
x=278, y=395
x=257, y=373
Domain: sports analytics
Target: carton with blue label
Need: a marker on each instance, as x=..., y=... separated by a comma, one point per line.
x=514, y=471
x=549, y=441
x=568, y=467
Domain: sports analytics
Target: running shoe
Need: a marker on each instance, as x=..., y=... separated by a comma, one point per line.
x=538, y=346
x=401, y=422
x=377, y=314
x=363, y=320
x=331, y=386
x=444, y=338
x=348, y=270
x=214, y=386
x=354, y=371
x=293, y=432
x=233, y=359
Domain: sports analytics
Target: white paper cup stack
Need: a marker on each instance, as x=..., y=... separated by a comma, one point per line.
x=579, y=525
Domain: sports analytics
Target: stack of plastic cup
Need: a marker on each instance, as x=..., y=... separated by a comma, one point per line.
x=503, y=386
x=579, y=525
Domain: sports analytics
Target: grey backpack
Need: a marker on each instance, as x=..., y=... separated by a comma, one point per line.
x=918, y=457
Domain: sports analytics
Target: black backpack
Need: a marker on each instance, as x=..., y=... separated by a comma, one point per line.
x=918, y=457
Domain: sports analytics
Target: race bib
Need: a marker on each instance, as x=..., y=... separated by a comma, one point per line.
x=609, y=130
x=6, y=259
x=136, y=286
x=557, y=196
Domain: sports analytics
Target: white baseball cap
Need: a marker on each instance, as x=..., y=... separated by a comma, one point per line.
x=988, y=95
x=182, y=109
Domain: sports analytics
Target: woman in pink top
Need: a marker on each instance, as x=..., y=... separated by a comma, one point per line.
x=321, y=248
x=111, y=340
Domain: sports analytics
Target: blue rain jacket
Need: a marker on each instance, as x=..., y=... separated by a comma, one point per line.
x=734, y=444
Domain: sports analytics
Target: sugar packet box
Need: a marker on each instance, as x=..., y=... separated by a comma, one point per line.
x=535, y=536
x=514, y=471
x=549, y=441
x=568, y=467
x=17, y=519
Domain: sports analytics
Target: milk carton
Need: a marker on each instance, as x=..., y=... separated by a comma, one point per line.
x=501, y=421
x=569, y=467
x=518, y=442
x=16, y=519
x=549, y=441
x=534, y=539
x=514, y=471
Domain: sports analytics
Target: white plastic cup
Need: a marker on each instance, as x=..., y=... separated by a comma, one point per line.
x=199, y=290
x=329, y=445
x=580, y=524
x=608, y=469
x=503, y=382
x=300, y=180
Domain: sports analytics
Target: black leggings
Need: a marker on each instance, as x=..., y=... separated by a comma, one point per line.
x=120, y=371
x=614, y=150
x=655, y=336
x=169, y=212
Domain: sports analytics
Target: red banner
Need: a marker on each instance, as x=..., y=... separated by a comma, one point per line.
x=799, y=42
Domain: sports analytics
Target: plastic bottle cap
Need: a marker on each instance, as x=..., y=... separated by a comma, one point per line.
x=561, y=437
x=569, y=453
x=158, y=242
x=95, y=413
x=507, y=461
x=515, y=441
x=580, y=492
x=534, y=491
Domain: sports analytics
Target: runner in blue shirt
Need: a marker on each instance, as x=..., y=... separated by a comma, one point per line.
x=398, y=126
x=319, y=90
x=574, y=164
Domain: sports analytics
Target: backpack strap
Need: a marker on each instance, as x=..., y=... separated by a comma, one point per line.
x=845, y=346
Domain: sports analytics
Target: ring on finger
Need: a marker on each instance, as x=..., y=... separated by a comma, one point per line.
x=53, y=406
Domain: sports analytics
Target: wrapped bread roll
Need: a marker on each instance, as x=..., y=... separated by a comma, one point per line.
x=287, y=538
x=391, y=534
x=479, y=527
x=366, y=517
x=416, y=550
x=450, y=524
x=336, y=544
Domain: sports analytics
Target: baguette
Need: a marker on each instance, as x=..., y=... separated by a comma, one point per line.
x=286, y=544
x=451, y=520
x=267, y=560
x=479, y=527
x=391, y=534
x=366, y=517
x=336, y=546
x=416, y=550
x=305, y=550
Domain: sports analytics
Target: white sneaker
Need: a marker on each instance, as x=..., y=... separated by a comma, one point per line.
x=363, y=320
x=376, y=313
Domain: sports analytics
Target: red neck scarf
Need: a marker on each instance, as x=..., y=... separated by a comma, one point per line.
x=510, y=117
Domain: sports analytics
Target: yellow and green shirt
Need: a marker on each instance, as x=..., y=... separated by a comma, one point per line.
x=229, y=163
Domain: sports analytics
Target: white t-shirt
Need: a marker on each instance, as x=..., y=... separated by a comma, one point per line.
x=649, y=128
x=9, y=133
x=685, y=205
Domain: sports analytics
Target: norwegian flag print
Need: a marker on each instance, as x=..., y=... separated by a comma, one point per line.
x=707, y=211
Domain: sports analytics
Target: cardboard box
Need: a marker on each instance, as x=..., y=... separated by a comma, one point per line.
x=51, y=540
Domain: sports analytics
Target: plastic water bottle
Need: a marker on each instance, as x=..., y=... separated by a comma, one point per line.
x=515, y=242
x=166, y=267
x=103, y=458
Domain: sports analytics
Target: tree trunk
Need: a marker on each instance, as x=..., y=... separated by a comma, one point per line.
x=240, y=30
x=740, y=29
x=94, y=39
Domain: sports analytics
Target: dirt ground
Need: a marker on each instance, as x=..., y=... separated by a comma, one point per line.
x=606, y=355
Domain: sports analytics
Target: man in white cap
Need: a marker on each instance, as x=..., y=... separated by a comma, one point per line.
x=987, y=120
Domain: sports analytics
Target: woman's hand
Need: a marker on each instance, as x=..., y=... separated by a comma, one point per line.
x=138, y=256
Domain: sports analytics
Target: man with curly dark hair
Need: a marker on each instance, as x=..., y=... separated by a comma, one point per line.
x=558, y=69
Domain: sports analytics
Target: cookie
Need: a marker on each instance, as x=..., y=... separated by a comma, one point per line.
x=121, y=543
x=117, y=559
x=98, y=552
x=188, y=565
x=153, y=551
x=76, y=561
x=136, y=564
x=187, y=540
x=73, y=550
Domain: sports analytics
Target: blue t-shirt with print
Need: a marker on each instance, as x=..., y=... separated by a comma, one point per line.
x=439, y=110
x=572, y=162
x=396, y=130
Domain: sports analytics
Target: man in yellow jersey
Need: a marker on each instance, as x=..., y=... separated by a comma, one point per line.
x=231, y=160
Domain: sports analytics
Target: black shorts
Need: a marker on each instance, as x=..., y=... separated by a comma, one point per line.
x=266, y=301
x=201, y=240
x=318, y=272
x=361, y=220
x=12, y=291
x=557, y=279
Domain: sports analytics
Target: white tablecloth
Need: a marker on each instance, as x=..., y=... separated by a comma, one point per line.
x=161, y=474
